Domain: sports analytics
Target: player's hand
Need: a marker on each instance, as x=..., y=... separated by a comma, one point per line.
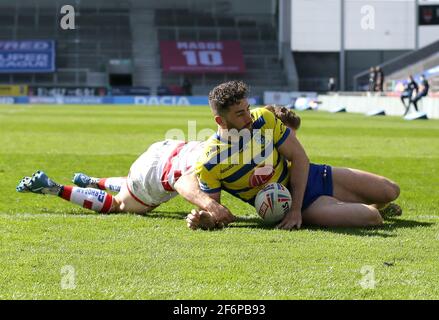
x=288, y=117
x=201, y=219
x=221, y=213
x=292, y=220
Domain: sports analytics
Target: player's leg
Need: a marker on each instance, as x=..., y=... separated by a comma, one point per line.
x=330, y=212
x=357, y=186
x=89, y=198
x=125, y=202
x=109, y=184
x=418, y=98
x=415, y=101
x=403, y=97
x=407, y=107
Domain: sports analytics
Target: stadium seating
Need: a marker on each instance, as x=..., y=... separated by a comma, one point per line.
x=257, y=38
x=117, y=31
x=100, y=35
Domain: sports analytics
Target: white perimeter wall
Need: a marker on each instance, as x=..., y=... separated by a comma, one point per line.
x=392, y=105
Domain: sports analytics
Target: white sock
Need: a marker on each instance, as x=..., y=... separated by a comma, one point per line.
x=111, y=184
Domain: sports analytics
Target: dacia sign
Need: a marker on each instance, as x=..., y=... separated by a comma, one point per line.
x=7, y=100
x=165, y=100
x=171, y=100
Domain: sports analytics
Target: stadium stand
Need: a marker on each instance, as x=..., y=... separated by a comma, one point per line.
x=421, y=67
x=119, y=30
x=412, y=63
x=257, y=38
x=100, y=34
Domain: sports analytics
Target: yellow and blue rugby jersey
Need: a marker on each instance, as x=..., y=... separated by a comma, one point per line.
x=243, y=168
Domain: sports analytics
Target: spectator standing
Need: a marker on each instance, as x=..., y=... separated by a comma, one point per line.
x=379, y=74
x=372, y=79
x=187, y=87
x=331, y=85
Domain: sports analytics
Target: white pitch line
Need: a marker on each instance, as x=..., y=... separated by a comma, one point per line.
x=49, y=215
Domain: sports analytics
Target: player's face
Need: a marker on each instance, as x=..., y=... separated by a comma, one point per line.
x=239, y=117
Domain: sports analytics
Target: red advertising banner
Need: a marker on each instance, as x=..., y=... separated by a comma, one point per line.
x=202, y=56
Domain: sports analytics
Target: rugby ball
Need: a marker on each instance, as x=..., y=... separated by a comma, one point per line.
x=273, y=202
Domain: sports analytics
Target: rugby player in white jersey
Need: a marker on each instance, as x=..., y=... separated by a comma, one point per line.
x=154, y=178
x=159, y=174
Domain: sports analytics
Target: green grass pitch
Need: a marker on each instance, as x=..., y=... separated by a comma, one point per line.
x=52, y=249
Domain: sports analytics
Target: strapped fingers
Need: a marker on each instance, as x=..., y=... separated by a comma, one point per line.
x=193, y=220
x=191, y=226
x=190, y=218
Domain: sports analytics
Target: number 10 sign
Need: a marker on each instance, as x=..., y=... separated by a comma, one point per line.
x=202, y=57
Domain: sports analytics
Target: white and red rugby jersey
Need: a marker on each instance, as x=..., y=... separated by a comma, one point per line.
x=178, y=158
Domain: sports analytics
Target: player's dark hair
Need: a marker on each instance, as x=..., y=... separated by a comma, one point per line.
x=225, y=95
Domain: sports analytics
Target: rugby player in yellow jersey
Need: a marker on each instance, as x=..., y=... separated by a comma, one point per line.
x=159, y=174
x=321, y=195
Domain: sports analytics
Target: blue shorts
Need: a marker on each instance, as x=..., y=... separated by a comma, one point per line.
x=319, y=184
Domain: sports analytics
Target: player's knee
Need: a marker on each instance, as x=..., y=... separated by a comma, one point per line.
x=375, y=219
x=117, y=205
x=391, y=191
x=124, y=204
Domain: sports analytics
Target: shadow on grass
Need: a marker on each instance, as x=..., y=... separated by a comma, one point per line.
x=179, y=215
x=154, y=214
x=385, y=231
x=252, y=223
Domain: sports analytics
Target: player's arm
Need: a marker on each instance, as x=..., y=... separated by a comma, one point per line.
x=294, y=152
x=187, y=186
x=213, y=214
